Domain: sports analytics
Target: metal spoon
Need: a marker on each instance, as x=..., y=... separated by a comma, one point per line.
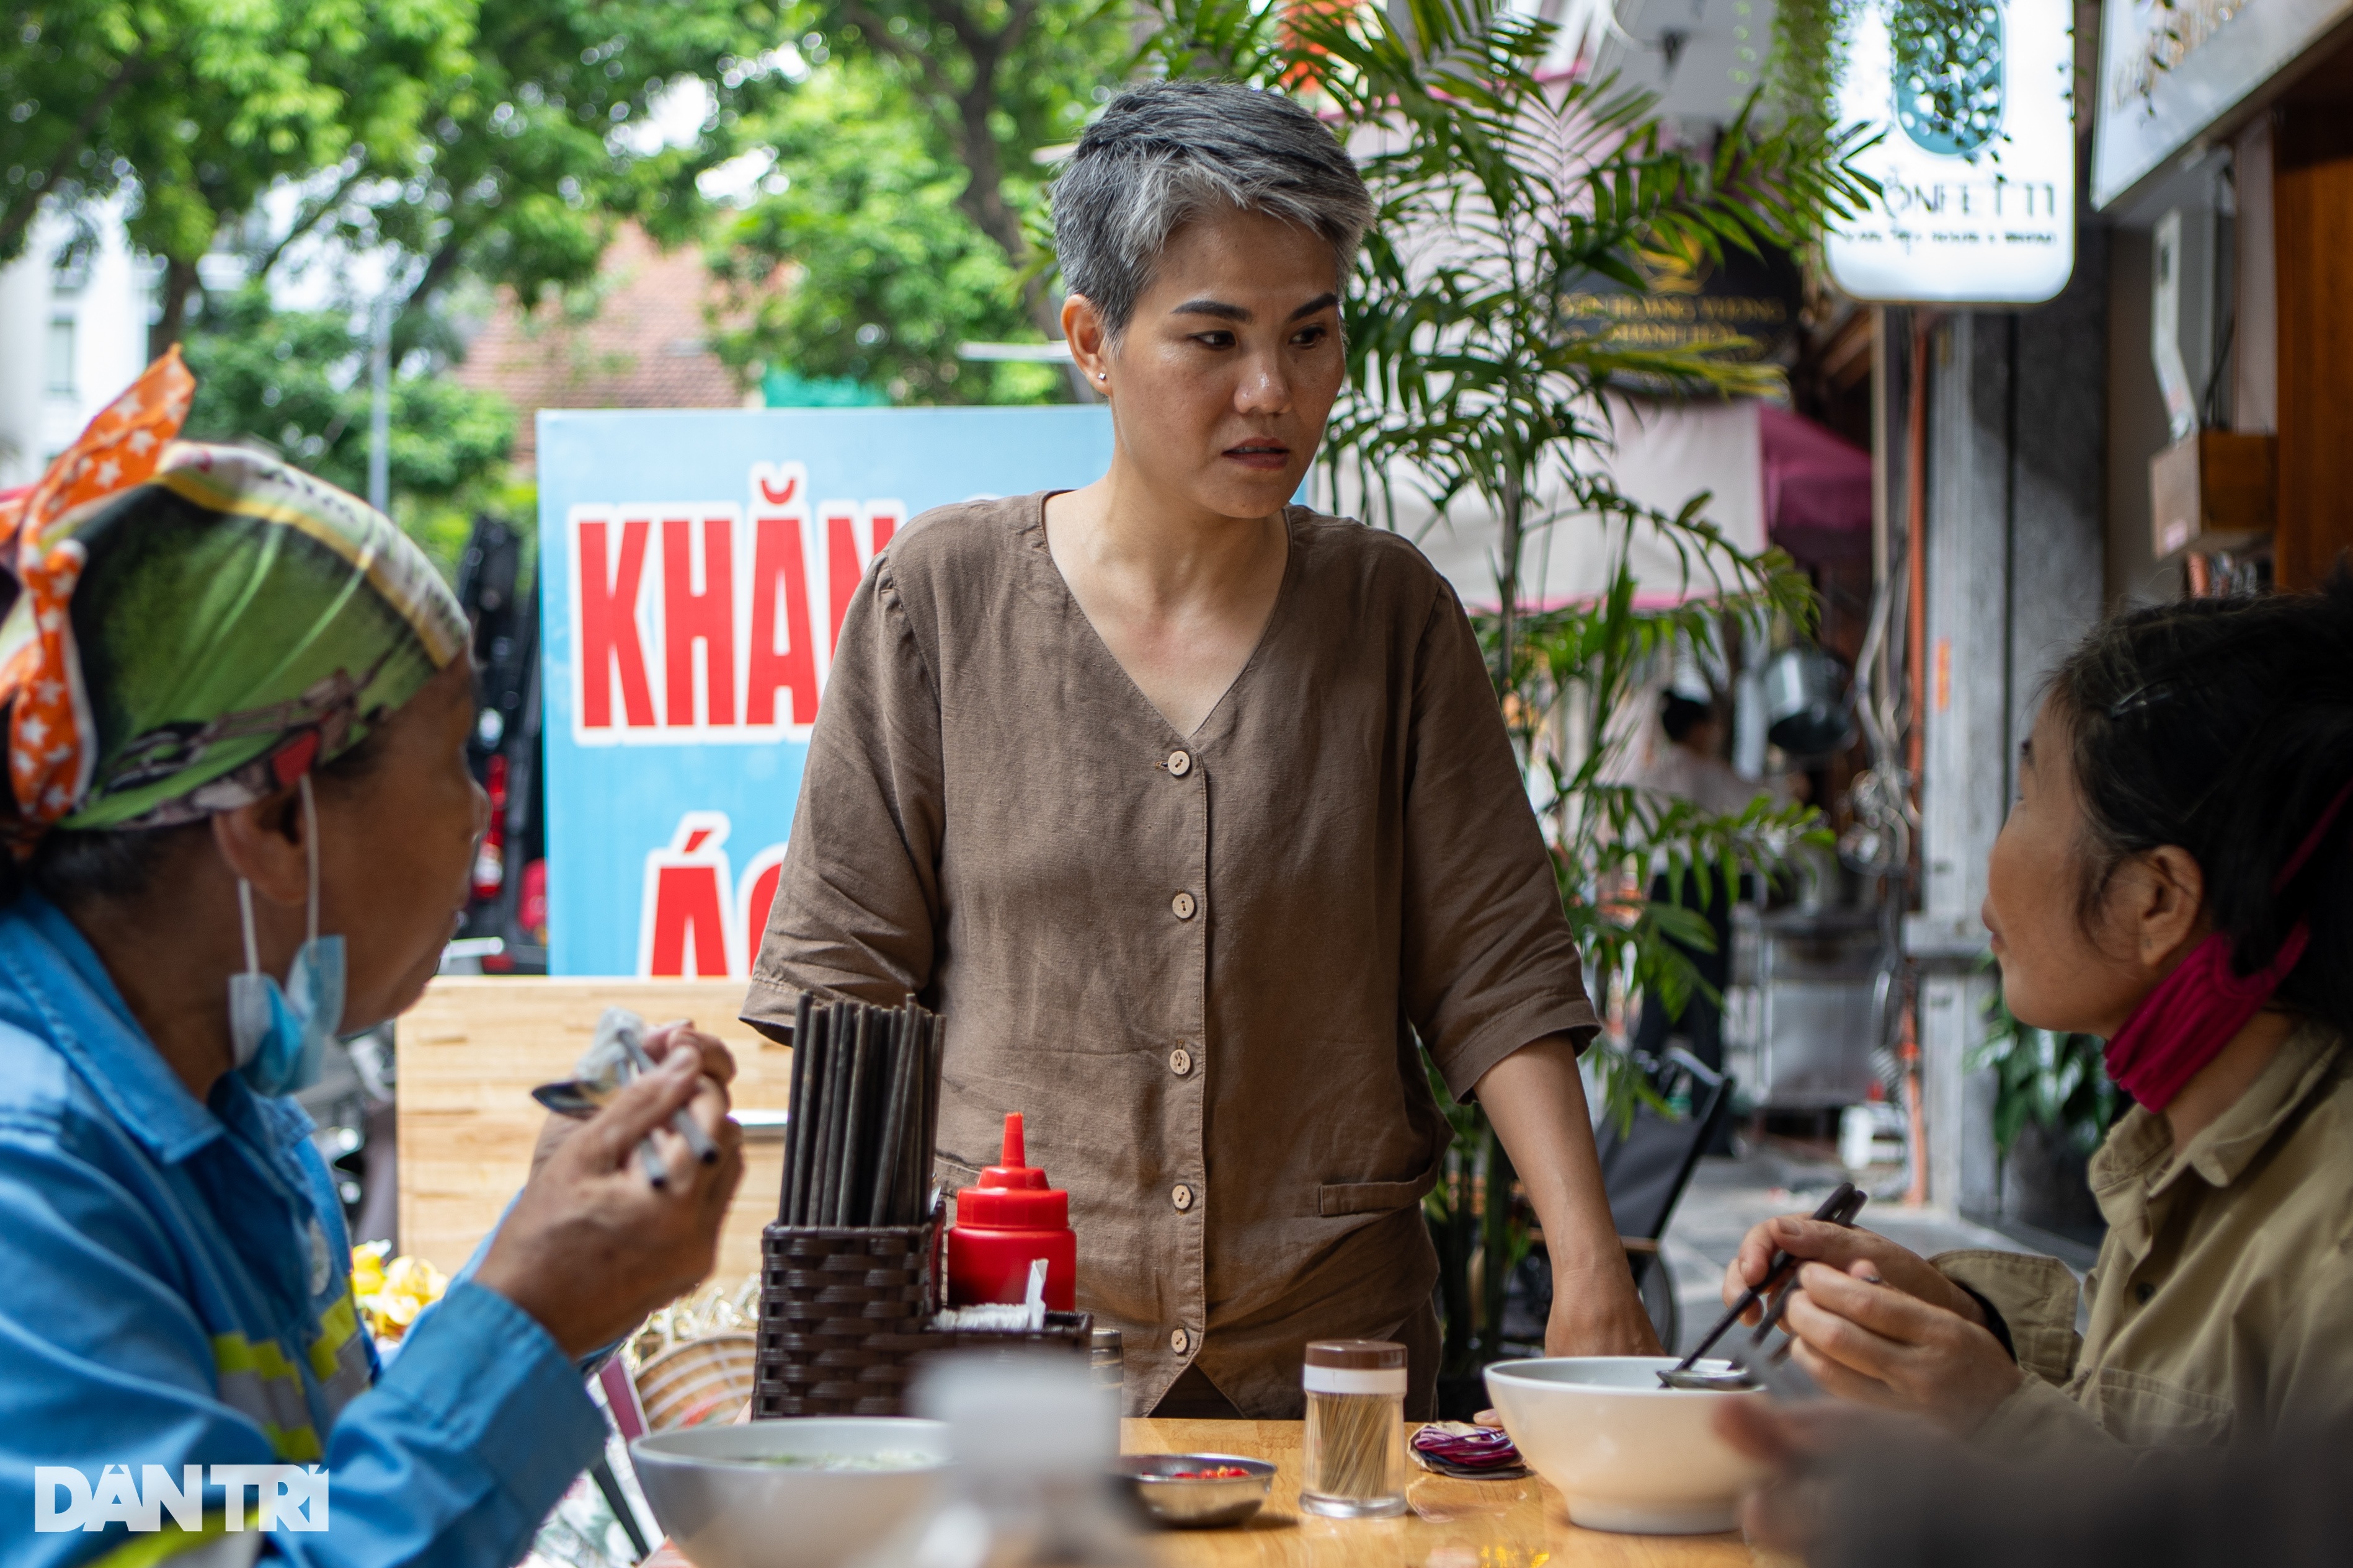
x=574, y=1097
x=1719, y=1377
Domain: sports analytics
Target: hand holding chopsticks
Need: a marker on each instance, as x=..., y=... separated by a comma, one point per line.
x=617, y=1056
x=1840, y=1208
x=591, y=1245
x=630, y=1030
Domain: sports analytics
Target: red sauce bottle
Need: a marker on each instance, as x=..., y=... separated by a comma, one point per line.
x=1009, y=1219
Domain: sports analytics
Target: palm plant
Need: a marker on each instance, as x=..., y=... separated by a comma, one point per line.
x=1500, y=188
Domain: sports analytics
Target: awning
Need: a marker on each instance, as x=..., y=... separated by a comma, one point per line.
x=1771, y=474
x=1817, y=489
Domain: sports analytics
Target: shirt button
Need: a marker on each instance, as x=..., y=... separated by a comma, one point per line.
x=1182, y=906
x=1179, y=763
x=1179, y=1341
x=1180, y=1062
x=1182, y=1197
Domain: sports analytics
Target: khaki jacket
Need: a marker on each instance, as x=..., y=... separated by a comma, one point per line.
x=2222, y=1305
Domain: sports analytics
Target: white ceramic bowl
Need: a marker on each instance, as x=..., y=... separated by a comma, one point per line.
x=1626, y=1454
x=725, y=1507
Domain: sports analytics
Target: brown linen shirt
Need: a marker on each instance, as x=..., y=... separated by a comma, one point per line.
x=1196, y=962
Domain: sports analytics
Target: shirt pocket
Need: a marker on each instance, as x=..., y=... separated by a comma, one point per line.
x=2147, y=1412
x=1335, y=1199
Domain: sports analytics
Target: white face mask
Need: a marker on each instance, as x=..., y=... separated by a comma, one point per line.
x=280, y=1034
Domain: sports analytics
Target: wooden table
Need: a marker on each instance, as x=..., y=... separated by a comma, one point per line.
x=1449, y=1524
x=469, y=1053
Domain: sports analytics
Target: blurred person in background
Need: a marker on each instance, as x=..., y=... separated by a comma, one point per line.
x=239, y=821
x=1691, y=767
x=2176, y=878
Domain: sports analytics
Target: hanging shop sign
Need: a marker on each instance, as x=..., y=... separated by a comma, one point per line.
x=1743, y=306
x=1976, y=156
x=2171, y=69
x=694, y=571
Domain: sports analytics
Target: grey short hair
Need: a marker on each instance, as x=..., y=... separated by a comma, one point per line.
x=1165, y=154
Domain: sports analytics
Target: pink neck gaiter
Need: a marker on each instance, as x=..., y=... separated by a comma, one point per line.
x=2197, y=1010
x=2193, y=1013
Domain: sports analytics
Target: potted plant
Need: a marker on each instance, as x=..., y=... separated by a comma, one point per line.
x=2054, y=1103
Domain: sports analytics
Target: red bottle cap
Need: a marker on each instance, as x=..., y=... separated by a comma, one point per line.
x=1013, y=1194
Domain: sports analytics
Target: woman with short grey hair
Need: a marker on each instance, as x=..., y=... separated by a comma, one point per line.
x=1192, y=810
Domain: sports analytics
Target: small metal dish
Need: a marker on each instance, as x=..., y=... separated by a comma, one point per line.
x=1177, y=1501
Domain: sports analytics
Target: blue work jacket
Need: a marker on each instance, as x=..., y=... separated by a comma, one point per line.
x=174, y=1291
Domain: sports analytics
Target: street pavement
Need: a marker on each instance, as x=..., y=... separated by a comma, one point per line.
x=1726, y=1196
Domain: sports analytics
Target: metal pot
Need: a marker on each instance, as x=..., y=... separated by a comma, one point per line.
x=1807, y=706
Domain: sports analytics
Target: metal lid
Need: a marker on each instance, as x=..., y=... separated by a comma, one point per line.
x=1106, y=1340
x=1361, y=1356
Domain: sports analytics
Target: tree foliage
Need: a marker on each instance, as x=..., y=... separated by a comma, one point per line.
x=201, y=106
x=297, y=381
x=998, y=82
x=857, y=262
x=498, y=136
x=543, y=145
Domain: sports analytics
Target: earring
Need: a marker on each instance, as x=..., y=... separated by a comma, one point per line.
x=1103, y=375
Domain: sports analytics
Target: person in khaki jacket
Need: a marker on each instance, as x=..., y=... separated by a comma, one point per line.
x=2175, y=878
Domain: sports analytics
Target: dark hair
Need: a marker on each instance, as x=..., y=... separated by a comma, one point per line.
x=70, y=864
x=1680, y=715
x=2225, y=727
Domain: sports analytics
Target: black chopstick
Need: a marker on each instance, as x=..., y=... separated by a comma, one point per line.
x=1838, y=1208
x=807, y=1118
x=853, y=1118
x=883, y=1209
x=795, y=1121
x=837, y=1087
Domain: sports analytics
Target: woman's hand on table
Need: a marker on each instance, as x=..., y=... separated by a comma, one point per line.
x=592, y=1246
x=1843, y=1247
x=1862, y=1340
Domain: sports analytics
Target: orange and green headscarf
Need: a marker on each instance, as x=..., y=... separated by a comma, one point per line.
x=194, y=627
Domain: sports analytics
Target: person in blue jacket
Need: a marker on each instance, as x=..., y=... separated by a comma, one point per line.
x=238, y=822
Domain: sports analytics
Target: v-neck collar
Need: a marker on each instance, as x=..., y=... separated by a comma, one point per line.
x=1036, y=528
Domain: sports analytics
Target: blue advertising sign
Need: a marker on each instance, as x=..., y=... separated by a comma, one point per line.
x=694, y=568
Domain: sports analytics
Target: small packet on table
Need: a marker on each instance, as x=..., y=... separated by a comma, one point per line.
x=1469, y=1453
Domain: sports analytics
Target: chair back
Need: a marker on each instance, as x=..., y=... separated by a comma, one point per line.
x=1646, y=1167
